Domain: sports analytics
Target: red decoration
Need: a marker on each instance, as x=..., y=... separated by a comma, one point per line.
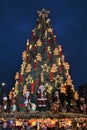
x=35, y=64
x=61, y=68
x=49, y=40
x=33, y=34
x=27, y=58
x=21, y=79
x=32, y=87
x=51, y=75
x=55, y=38
x=49, y=56
x=27, y=45
x=35, y=48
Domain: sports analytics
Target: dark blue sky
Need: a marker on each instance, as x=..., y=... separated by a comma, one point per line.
x=69, y=21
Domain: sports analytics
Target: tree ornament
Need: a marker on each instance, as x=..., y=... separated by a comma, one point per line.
x=38, y=57
x=48, y=40
x=76, y=96
x=42, y=77
x=56, y=51
x=28, y=68
x=17, y=76
x=57, y=80
x=32, y=86
x=43, y=13
x=39, y=43
x=27, y=58
x=33, y=34
x=50, y=30
x=45, y=68
x=67, y=66
x=29, y=79
x=60, y=49
x=54, y=67
x=55, y=38
x=35, y=48
x=27, y=45
x=49, y=56
x=21, y=78
x=45, y=33
x=24, y=55
x=51, y=75
x=35, y=64
x=39, y=26
x=47, y=21
x=69, y=81
x=63, y=89
x=24, y=90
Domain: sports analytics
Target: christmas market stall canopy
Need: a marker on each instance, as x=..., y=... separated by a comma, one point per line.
x=44, y=76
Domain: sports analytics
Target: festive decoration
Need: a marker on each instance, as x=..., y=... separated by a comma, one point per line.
x=39, y=57
x=39, y=43
x=28, y=68
x=44, y=71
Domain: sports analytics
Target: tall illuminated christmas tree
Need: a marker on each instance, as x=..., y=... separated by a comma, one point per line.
x=44, y=69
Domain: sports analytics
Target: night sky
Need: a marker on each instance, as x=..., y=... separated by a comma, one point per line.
x=18, y=19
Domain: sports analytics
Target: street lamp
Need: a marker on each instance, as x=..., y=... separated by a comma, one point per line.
x=1, y=86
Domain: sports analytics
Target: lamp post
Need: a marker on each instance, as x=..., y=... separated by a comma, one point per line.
x=1, y=86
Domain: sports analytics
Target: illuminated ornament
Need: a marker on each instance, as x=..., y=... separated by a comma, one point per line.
x=35, y=64
x=29, y=79
x=62, y=57
x=38, y=57
x=27, y=45
x=63, y=89
x=39, y=43
x=30, y=47
x=50, y=30
x=32, y=86
x=47, y=21
x=17, y=76
x=22, y=68
x=46, y=34
x=33, y=34
x=48, y=48
x=66, y=66
x=24, y=90
x=35, y=48
x=69, y=81
x=28, y=68
x=57, y=80
x=54, y=68
x=58, y=61
x=43, y=13
x=76, y=96
x=24, y=55
x=45, y=68
x=55, y=38
x=60, y=49
x=56, y=51
x=39, y=26
x=42, y=77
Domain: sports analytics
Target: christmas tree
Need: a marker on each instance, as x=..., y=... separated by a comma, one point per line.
x=44, y=75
